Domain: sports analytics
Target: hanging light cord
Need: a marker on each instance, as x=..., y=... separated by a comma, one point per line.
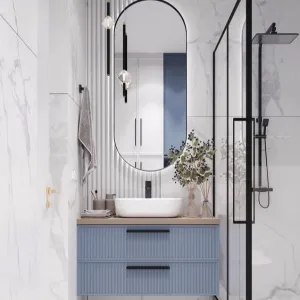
x=267, y=169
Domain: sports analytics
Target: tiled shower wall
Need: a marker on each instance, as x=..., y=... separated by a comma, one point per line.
x=276, y=243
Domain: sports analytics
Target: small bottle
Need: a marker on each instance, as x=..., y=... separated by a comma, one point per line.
x=110, y=203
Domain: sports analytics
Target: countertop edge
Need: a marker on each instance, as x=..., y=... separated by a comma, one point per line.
x=148, y=221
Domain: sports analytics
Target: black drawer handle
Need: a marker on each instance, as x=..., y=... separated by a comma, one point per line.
x=148, y=267
x=147, y=230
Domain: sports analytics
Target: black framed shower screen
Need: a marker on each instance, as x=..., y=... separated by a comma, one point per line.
x=233, y=142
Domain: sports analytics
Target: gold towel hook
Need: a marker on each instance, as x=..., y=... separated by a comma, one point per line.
x=49, y=191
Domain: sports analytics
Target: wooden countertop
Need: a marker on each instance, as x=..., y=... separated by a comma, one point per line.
x=148, y=221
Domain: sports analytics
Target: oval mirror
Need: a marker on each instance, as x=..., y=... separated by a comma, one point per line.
x=150, y=83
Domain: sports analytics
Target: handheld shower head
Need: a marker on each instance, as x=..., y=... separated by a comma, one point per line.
x=265, y=124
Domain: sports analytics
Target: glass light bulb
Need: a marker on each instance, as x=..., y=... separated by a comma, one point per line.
x=108, y=22
x=125, y=77
x=128, y=85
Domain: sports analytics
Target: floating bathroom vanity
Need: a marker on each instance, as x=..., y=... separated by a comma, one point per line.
x=148, y=256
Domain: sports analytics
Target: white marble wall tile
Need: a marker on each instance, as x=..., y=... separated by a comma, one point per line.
x=34, y=256
x=58, y=163
x=68, y=46
x=280, y=63
x=78, y=33
x=22, y=16
x=279, y=221
x=74, y=196
x=205, y=21
x=68, y=69
x=20, y=214
x=276, y=245
x=64, y=166
x=60, y=48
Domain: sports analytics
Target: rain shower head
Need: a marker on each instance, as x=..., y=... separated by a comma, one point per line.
x=274, y=38
x=271, y=37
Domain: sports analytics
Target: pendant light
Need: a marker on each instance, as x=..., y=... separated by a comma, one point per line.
x=124, y=76
x=108, y=22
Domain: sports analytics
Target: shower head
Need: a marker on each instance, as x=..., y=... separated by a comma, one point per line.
x=274, y=38
x=271, y=37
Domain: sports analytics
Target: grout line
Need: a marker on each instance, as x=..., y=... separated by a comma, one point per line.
x=65, y=94
x=18, y=35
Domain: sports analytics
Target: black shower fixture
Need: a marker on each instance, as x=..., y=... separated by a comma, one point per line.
x=265, y=124
x=270, y=37
x=80, y=88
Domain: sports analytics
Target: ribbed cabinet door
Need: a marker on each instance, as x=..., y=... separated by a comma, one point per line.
x=148, y=282
x=147, y=245
x=101, y=279
x=195, y=278
x=116, y=279
x=100, y=242
x=195, y=243
x=180, y=242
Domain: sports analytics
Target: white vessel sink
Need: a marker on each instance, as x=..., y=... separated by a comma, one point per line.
x=148, y=207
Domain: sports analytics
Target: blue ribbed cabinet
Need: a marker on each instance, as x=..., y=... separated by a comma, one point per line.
x=147, y=260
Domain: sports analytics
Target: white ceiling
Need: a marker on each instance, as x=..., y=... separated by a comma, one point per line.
x=152, y=27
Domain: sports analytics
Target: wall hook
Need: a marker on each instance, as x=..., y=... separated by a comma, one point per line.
x=49, y=191
x=80, y=88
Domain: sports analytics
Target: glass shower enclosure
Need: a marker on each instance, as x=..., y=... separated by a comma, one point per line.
x=234, y=162
x=256, y=121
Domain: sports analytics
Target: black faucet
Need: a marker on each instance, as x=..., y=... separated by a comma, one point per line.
x=148, y=189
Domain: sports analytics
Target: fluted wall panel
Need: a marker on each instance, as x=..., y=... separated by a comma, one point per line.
x=113, y=174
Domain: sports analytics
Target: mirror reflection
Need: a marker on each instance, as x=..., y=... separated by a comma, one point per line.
x=150, y=83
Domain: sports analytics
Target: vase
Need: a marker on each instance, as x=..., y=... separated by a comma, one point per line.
x=191, y=210
x=206, y=211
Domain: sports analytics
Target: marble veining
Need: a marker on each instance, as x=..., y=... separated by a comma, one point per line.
x=15, y=13
x=36, y=240
x=18, y=130
x=279, y=279
x=38, y=245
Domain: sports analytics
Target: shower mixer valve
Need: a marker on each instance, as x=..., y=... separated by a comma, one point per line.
x=264, y=123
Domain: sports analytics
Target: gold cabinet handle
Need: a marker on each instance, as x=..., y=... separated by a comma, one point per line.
x=49, y=191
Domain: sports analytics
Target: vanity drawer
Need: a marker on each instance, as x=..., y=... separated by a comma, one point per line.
x=100, y=242
x=100, y=278
x=152, y=242
x=156, y=242
x=148, y=278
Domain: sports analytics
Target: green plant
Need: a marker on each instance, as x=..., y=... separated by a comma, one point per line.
x=238, y=161
x=191, y=162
